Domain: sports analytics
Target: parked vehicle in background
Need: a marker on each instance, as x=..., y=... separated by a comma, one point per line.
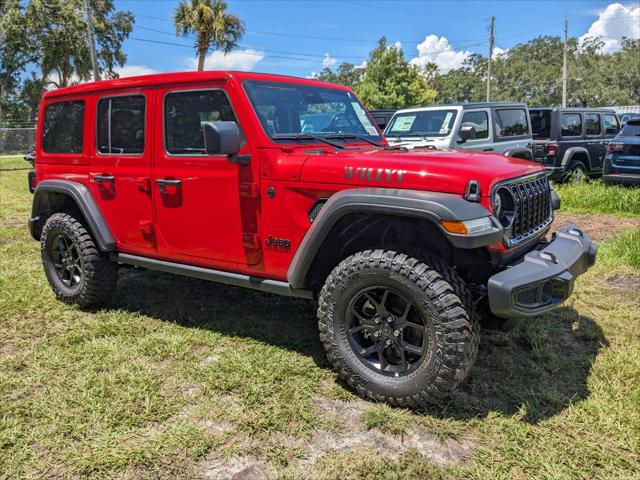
x=30, y=156
x=571, y=143
x=622, y=163
x=625, y=117
x=500, y=127
x=285, y=185
x=382, y=117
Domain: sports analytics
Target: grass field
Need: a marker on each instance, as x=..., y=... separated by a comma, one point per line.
x=179, y=378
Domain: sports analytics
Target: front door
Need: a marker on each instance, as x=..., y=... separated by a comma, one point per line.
x=121, y=167
x=204, y=211
x=479, y=120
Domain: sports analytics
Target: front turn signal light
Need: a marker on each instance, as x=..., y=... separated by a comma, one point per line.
x=467, y=227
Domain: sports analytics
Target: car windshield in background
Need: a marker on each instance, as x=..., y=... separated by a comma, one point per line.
x=429, y=123
x=540, y=123
x=290, y=111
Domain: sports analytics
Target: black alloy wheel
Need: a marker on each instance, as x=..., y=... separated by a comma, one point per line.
x=387, y=332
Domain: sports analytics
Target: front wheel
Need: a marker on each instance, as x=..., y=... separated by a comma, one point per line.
x=76, y=269
x=397, y=329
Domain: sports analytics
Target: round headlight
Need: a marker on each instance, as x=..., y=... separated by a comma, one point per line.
x=504, y=206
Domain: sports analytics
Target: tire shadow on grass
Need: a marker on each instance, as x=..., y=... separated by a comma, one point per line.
x=535, y=371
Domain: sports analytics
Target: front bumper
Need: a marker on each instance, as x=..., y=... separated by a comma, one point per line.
x=544, y=277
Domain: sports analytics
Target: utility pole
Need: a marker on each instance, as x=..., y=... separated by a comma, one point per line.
x=564, y=64
x=92, y=43
x=490, y=55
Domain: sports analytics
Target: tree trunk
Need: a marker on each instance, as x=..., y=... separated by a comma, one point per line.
x=201, y=56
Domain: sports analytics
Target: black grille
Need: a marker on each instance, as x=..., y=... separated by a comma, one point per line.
x=532, y=207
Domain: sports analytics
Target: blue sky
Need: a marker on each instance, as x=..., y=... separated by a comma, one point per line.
x=298, y=37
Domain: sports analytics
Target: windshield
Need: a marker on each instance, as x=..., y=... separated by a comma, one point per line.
x=429, y=123
x=540, y=123
x=301, y=112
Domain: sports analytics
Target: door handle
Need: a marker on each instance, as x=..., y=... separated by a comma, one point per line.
x=103, y=178
x=487, y=149
x=163, y=183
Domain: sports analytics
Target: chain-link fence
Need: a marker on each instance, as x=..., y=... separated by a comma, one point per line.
x=16, y=140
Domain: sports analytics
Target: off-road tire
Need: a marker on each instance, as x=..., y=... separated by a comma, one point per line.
x=576, y=169
x=438, y=293
x=99, y=274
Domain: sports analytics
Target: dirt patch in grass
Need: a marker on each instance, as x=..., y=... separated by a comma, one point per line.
x=355, y=435
x=624, y=282
x=600, y=227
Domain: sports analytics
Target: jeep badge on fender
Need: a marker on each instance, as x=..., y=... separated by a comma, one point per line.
x=403, y=268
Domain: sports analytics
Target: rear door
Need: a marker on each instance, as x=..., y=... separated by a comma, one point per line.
x=206, y=207
x=512, y=130
x=595, y=140
x=121, y=166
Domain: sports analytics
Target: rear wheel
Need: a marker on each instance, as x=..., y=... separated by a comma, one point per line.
x=397, y=329
x=76, y=269
x=577, y=173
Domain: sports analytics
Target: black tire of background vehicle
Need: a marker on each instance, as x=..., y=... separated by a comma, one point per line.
x=99, y=276
x=576, y=172
x=440, y=296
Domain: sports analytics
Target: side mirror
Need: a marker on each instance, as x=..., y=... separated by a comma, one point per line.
x=221, y=138
x=466, y=133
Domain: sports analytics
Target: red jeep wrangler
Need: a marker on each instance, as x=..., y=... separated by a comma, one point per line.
x=286, y=185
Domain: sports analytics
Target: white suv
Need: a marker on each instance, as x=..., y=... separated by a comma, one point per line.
x=489, y=127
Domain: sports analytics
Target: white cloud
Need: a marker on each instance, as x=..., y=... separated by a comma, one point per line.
x=134, y=70
x=328, y=61
x=613, y=23
x=438, y=50
x=497, y=51
x=244, y=60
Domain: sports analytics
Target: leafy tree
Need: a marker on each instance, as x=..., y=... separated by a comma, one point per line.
x=212, y=25
x=15, y=55
x=59, y=32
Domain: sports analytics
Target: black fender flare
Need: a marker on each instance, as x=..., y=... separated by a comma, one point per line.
x=430, y=206
x=85, y=202
x=568, y=156
x=523, y=153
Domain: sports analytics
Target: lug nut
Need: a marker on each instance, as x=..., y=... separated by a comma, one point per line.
x=376, y=334
x=389, y=319
x=396, y=333
x=387, y=343
x=376, y=320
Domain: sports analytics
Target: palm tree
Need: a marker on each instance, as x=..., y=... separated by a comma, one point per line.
x=212, y=25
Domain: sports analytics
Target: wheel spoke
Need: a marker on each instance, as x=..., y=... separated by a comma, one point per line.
x=370, y=350
x=408, y=347
x=382, y=359
x=359, y=328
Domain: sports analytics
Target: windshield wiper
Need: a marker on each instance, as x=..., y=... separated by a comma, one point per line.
x=344, y=136
x=304, y=136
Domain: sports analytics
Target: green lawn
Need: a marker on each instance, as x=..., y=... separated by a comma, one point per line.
x=14, y=163
x=596, y=197
x=179, y=378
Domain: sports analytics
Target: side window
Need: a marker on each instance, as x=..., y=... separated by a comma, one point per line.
x=511, y=123
x=477, y=120
x=611, y=125
x=184, y=114
x=63, y=127
x=121, y=125
x=592, y=124
x=571, y=125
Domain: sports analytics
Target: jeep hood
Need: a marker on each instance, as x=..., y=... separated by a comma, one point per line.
x=446, y=171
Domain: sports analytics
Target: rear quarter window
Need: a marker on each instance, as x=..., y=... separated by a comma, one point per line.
x=511, y=123
x=592, y=124
x=540, y=123
x=611, y=124
x=63, y=127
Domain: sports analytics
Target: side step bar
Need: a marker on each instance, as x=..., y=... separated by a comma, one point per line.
x=236, y=279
